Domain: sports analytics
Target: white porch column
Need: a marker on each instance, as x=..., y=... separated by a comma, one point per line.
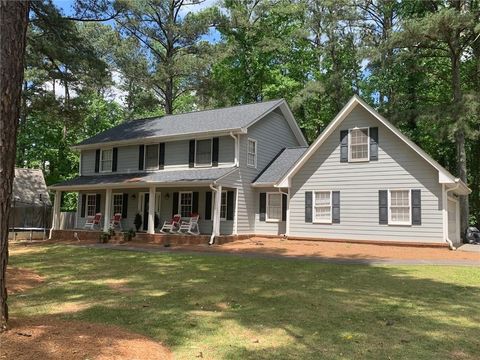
x=151, y=210
x=56, y=211
x=218, y=203
x=108, y=211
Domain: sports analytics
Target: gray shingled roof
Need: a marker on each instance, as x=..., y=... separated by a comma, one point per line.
x=29, y=188
x=279, y=166
x=191, y=175
x=224, y=119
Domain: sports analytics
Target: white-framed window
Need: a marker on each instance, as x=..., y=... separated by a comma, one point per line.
x=399, y=207
x=203, y=152
x=185, y=201
x=91, y=204
x=274, y=207
x=223, y=206
x=252, y=153
x=151, y=157
x=322, y=207
x=106, y=160
x=117, y=203
x=358, y=144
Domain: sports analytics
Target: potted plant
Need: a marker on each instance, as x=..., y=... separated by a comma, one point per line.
x=138, y=221
x=104, y=237
x=129, y=235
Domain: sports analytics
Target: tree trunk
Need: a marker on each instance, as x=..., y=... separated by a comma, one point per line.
x=13, y=26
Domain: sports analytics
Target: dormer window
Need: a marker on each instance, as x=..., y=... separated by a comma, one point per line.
x=359, y=149
x=203, y=153
x=106, y=160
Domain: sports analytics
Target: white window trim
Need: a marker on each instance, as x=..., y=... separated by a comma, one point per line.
x=256, y=152
x=314, y=212
x=113, y=202
x=180, y=200
x=402, y=223
x=211, y=154
x=86, y=205
x=226, y=204
x=350, y=144
x=101, y=161
x=145, y=157
x=267, y=219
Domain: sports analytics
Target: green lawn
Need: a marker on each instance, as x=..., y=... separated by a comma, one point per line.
x=241, y=308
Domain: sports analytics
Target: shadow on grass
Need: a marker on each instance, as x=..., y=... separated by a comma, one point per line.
x=229, y=307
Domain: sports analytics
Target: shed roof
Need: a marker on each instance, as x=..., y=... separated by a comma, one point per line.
x=29, y=188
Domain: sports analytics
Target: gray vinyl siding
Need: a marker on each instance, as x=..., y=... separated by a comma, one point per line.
x=398, y=167
x=272, y=134
x=176, y=156
x=266, y=227
x=88, y=162
x=166, y=206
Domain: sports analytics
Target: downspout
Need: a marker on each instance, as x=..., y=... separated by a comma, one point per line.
x=447, y=239
x=214, y=227
x=237, y=145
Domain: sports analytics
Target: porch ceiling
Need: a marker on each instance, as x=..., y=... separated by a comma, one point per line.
x=145, y=179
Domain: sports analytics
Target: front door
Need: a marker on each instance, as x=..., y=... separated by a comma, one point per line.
x=146, y=197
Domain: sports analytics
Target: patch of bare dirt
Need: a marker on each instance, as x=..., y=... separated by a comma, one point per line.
x=20, y=280
x=119, y=285
x=50, y=339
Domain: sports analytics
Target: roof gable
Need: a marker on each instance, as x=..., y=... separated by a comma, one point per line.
x=29, y=188
x=444, y=175
x=216, y=121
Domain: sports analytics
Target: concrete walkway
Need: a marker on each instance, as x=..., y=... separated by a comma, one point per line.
x=217, y=251
x=469, y=248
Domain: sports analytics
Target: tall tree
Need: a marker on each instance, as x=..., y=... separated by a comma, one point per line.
x=172, y=37
x=13, y=28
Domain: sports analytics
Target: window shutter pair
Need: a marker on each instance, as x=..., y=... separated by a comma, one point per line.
x=373, y=132
x=416, y=202
x=230, y=205
x=335, y=207
x=191, y=152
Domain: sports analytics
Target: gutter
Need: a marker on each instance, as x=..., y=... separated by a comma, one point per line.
x=447, y=239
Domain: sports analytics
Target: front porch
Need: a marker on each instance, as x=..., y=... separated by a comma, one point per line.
x=139, y=213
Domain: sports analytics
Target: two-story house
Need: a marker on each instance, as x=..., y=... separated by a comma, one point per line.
x=247, y=170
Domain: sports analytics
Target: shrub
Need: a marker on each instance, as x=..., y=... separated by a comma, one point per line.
x=129, y=235
x=138, y=221
x=104, y=237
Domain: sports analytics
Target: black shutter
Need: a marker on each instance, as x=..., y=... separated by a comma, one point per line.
x=336, y=207
x=263, y=206
x=191, y=154
x=97, y=203
x=97, y=160
x=373, y=143
x=114, y=159
x=383, y=206
x=125, y=206
x=161, y=156
x=230, y=202
x=416, y=207
x=175, y=204
x=284, y=207
x=195, y=202
x=141, y=157
x=84, y=203
x=215, y=152
x=344, y=146
x=308, y=206
x=208, y=205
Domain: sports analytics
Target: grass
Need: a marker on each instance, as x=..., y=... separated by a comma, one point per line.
x=241, y=308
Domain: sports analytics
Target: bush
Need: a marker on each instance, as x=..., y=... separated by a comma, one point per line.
x=138, y=221
x=129, y=235
x=104, y=237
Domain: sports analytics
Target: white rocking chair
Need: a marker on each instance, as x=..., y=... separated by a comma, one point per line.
x=172, y=224
x=190, y=226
